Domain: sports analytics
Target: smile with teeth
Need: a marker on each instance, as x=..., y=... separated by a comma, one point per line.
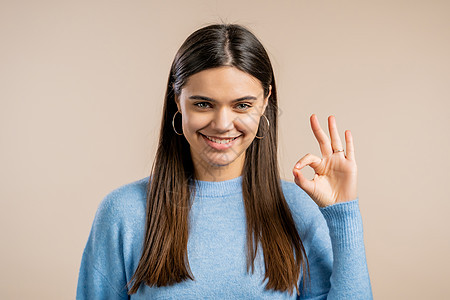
x=220, y=141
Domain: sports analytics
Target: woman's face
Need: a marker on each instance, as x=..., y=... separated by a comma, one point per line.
x=221, y=110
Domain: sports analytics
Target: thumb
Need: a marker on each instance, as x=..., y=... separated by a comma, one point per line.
x=308, y=160
x=303, y=182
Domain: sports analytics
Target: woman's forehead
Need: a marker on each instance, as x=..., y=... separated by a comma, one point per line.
x=228, y=82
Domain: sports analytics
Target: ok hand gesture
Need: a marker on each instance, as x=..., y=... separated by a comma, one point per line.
x=335, y=178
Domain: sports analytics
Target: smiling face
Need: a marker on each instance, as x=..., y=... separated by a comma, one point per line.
x=221, y=110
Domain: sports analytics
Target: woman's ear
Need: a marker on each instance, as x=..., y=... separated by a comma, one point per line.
x=177, y=101
x=266, y=100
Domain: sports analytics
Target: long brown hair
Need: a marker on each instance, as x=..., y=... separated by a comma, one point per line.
x=171, y=189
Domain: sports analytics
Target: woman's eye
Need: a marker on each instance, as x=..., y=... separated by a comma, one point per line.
x=240, y=106
x=202, y=104
x=243, y=106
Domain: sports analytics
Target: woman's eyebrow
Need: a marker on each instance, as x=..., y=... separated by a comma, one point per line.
x=197, y=97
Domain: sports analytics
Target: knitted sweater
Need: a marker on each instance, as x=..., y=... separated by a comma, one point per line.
x=332, y=237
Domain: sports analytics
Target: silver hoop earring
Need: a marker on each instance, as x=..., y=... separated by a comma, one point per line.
x=173, y=124
x=268, y=126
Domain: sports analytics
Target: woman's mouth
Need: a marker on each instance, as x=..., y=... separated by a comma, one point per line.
x=219, y=143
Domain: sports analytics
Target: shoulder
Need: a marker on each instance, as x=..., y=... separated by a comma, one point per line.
x=123, y=204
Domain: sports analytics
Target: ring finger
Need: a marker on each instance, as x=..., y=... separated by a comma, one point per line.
x=336, y=143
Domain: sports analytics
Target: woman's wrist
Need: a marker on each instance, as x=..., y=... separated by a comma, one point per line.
x=344, y=223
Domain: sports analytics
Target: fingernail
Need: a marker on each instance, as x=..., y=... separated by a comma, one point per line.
x=297, y=166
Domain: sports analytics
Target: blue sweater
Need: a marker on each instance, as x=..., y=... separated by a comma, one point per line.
x=332, y=237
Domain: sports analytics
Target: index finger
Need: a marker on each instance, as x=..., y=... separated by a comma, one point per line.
x=322, y=138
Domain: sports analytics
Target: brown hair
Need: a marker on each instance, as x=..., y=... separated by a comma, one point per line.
x=170, y=190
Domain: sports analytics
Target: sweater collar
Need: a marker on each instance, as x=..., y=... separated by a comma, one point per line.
x=218, y=188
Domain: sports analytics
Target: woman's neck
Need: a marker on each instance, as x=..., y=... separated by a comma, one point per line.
x=205, y=172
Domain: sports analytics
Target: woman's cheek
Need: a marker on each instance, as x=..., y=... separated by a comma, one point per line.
x=194, y=122
x=249, y=124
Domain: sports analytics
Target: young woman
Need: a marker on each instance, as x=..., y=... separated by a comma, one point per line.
x=214, y=220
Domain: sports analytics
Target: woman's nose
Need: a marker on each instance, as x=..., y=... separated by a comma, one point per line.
x=223, y=120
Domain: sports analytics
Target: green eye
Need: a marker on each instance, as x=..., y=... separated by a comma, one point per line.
x=244, y=106
x=202, y=104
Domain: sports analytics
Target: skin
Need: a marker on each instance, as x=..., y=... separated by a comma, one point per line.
x=335, y=179
x=220, y=117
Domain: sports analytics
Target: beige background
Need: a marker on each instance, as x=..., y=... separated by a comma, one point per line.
x=81, y=90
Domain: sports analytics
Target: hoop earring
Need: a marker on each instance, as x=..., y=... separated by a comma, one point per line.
x=268, y=126
x=173, y=124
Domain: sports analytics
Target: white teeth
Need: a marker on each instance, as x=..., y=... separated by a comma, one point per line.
x=224, y=141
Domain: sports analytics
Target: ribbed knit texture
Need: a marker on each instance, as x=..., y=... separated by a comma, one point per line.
x=332, y=236
x=341, y=219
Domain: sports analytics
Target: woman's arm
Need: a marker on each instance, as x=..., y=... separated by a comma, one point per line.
x=337, y=259
x=350, y=276
x=339, y=272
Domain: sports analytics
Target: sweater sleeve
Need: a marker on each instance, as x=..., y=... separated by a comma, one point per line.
x=340, y=272
x=102, y=272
